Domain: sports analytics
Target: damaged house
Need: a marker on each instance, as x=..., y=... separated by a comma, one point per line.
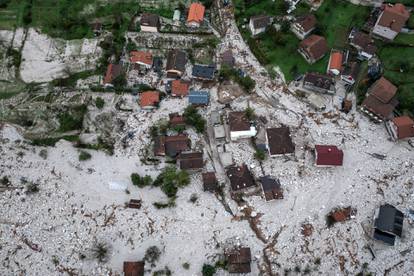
x=388, y=224
x=320, y=83
x=238, y=260
x=190, y=161
x=279, y=141
x=271, y=188
x=171, y=145
x=258, y=24
x=380, y=101
x=150, y=22
x=176, y=61
x=240, y=126
x=240, y=178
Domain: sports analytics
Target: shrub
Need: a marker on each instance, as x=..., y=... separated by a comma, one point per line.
x=83, y=156
x=101, y=251
x=208, y=270
x=186, y=265
x=250, y=113
x=170, y=180
x=5, y=181
x=193, y=198
x=99, y=102
x=152, y=254
x=260, y=154
x=193, y=118
x=43, y=153
x=32, y=188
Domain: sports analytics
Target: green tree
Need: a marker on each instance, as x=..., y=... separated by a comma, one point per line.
x=99, y=102
x=193, y=118
x=250, y=113
x=208, y=270
x=83, y=156
x=260, y=154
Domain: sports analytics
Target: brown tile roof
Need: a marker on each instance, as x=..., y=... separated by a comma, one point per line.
x=364, y=41
x=307, y=22
x=227, y=58
x=405, y=127
x=271, y=188
x=113, y=71
x=319, y=80
x=383, y=90
x=238, y=121
x=382, y=110
x=150, y=20
x=239, y=260
x=196, y=13
x=149, y=98
x=261, y=21
x=141, y=56
x=176, y=144
x=179, y=88
x=209, y=181
x=279, y=141
x=240, y=177
x=394, y=17
x=134, y=268
x=191, y=160
x=315, y=46
x=176, y=119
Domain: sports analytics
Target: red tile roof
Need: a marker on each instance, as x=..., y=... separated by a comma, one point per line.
x=149, y=98
x=328, y=155
x=179, y=88
x=335, y=62
x=196, y=13
x=315, y=46
x=113, y=71
x=394, y=16
x=141, y=56
x=405, y=127
x=383, y=90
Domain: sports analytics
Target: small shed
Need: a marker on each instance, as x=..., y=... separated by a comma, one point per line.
x=209, y=182
x=388, y=224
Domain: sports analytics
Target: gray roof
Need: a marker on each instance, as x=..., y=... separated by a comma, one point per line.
x=269, y=183
x=198, y=97
x=204, y=71
x=149, y=19
x=261, y=21
x=389, y=220
x=176, y=60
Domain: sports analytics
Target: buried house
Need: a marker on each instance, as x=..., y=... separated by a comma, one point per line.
x=134, y=268
x=238, y=260
x=190, y=160
x=240, y=178
x=328, y=156
x=388, y=224
x=171, y=145
x=240, y=126
x=176, y=62
x=279, y=141
x=271, y=188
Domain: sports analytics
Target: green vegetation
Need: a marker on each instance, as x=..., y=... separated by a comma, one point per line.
x=170, y=180
x=72, y=79
x=73, y=119
x=246, y=82
x=139, y=181
x=260, y=154
x=99, y=102
x=193, y=118
x=83, y=156
x=208, y=270
x=51, y=141
x=279, y=48
x=398, y=63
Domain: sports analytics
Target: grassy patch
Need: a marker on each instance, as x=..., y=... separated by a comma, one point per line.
x=73, y=119
x=52, y=141
x=335, y=18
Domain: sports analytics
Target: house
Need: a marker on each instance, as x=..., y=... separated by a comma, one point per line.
x=227, y=59
x=304, y=25
x=350, y=73
x=141, y=58
x=149, y=99
x=363, y=43
x=380, y=101
x=112, y=72
x=204, y=72
x=179, y=88
x=279, y=141
x=388, y=224
x=97, y=28
x=335, y=63
x=259, y=23
x=171, y=145
x=328, y=156
x=176, y=120
x=238, y=260
x=134, y=268
x=195, y=15
x=319, y=83
x=198, y=98
x=313, y=48
x=219, y=132
x=271, y=188
x=210, y=182
x=391, y=20
x=176, y=61
x=240, y=178
x=401, y=127
x=240, y=126
x=191, y=161
x=150, y=22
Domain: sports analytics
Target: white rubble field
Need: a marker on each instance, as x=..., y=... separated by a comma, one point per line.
x=51, y=232
x=45, y=58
